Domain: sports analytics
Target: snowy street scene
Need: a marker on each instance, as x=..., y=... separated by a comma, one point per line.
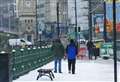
x=59, y=40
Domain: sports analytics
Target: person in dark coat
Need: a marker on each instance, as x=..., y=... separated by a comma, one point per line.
x=71, y=53
x=58, y=51
x=97, y=50
x=90, y=47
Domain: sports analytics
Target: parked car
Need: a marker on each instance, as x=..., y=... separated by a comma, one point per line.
x=19, y=42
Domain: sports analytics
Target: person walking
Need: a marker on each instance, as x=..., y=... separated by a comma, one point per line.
x=58, y=51
x=90, y=47
x=97, y=50
x=71, y=53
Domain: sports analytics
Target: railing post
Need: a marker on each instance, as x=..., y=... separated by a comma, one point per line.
x=114, y=41
x=5, y=67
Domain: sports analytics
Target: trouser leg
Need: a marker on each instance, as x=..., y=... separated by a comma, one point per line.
x=59, y=65
x=55, y=65
x=90, y=54
x=69, y=65
x=96, y=53
x=73, y=66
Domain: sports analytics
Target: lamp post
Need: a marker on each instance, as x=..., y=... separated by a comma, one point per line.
x=90, y=20
x=58, y=27
x=105, y=32
x=75, y=20
x=9, y=12
x=37, y=32
x=1, y=16
x=114, y=41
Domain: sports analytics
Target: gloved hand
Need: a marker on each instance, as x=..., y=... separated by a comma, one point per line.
x=65, y=56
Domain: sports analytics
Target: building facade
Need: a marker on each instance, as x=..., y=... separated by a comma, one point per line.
x=8, y=19
x=27, y=19
x=47, y=18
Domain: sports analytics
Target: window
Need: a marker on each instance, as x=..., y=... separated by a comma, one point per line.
x=25, y=21
x=41, y=15
x=28, y=21
x=29, y=38
x=78, y=29
x=31, y=20
x=41, y=6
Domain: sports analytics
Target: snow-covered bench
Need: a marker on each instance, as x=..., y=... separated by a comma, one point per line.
x=45, y=72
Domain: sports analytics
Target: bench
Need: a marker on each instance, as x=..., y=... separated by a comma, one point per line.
x=45, y=72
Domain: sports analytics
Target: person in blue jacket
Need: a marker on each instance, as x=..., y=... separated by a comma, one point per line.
x=71, y=53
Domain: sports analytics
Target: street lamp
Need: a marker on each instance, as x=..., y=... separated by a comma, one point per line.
x=105, y=32
x=9, y=12
x=90, y=20
x=1, y=16
x=76, y=20
x=37, y=33
x=58, y=27
x=114, y=41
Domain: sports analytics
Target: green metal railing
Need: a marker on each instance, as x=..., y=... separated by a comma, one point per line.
x=27, y=59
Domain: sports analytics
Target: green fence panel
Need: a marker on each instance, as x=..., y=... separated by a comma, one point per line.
x=28, y=59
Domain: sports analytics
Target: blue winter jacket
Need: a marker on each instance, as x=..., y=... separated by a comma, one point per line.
x=71, y=51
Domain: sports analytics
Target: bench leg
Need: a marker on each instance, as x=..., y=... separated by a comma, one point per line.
x=52, y=74
x=38, y=77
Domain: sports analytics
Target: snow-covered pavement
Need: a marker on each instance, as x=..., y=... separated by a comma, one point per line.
x=86, y=71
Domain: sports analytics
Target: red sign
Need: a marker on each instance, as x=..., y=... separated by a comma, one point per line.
x=118, y=27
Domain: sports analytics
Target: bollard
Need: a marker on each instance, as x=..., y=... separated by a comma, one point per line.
x=5, y=67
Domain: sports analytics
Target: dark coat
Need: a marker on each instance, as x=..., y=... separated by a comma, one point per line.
x=58, y=50
x=90, y=45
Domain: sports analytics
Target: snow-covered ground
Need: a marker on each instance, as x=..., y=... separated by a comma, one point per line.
x=86, y=71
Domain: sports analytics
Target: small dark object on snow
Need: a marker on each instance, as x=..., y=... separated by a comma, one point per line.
x=105, y=58
x=46, y=72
